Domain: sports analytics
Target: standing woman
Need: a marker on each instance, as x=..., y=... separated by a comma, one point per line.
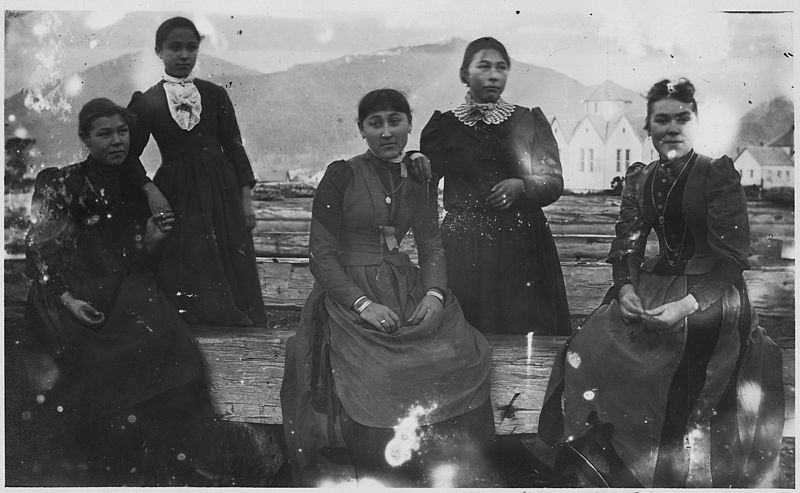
x=500, y=165
x=208, y=264
x=671, y=383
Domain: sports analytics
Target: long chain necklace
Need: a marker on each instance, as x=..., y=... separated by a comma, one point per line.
x=389, y=195
x=674, y=252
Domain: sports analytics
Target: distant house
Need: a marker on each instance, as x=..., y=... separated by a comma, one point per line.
x=769, y=167
x=785, y=142
x=273, y=175
x=603, y=144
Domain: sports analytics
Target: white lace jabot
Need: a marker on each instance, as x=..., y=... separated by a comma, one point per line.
x=183, y=100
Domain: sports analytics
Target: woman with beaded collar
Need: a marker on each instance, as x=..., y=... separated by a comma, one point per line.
x=671, y=383
x=501, y=166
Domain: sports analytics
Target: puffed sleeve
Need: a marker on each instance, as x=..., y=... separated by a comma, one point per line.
x=545, y=184
x=630, y=242
x=51, y=237
x=728, y=231
x=432, y=145
x=231, y=141
x=429, y=243
x=326, y=220
x=140, y=128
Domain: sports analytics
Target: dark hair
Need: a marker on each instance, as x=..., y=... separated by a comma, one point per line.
x=97, y=108
x=481, y=44
x=382, y=100
x=169, y=25
x=680, y=89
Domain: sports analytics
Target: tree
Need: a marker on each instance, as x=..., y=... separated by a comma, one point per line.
x=616, y=185
x=17, y=164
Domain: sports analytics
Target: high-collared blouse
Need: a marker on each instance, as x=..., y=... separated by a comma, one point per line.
x=705, y=232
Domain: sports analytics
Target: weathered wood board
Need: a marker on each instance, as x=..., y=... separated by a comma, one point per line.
x=287, y=284
x=246, y=370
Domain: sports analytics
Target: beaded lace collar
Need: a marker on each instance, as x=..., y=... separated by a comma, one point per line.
x=471, y=112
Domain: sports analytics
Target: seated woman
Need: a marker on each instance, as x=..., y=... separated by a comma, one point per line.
x=380, y=339
x=671, y=383
x=124, y=367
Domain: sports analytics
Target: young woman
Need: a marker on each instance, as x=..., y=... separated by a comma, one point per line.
x=379, y=338
x=207, y=265
x=500, y=166
x=121, y=367
x=671, y=383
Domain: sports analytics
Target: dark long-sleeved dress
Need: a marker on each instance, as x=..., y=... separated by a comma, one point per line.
x=701, y=403
x=502, y=265
x=440, y=365
x=207, y=265
x=88, y=238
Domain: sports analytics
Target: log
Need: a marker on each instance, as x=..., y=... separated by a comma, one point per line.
x=286, y=284
x=246, y=370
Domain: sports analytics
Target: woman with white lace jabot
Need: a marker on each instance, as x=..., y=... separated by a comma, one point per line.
x=500, y=166
x=208, y=264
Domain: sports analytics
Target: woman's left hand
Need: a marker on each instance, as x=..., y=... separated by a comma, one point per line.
x=428, y=307
x=158, y=227
x=669, y=314
x=247, y=207
x=505, y=193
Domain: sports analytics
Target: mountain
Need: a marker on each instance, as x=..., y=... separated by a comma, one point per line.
x=303, y=117
x=764, y=123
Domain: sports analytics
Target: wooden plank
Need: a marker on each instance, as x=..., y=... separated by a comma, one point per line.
x=246, y=370
x=771, y=288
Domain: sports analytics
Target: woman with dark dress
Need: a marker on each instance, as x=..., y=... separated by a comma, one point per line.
x=671, y=382
x=500, y=166
x=379, y=338
x=207, y=265
x=119, y=367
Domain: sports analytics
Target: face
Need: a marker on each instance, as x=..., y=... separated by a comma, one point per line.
x=386, y=132
x=108, y=140
x=486, y=76
x=673, y=125
x=179, y=52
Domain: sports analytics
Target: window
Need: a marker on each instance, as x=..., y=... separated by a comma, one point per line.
x=751, y=173
x=627, y=158
x=595, y=107
x=619, y=160
x=788, y=175
x=778, y=174
x=591, y=160
x=583, y=160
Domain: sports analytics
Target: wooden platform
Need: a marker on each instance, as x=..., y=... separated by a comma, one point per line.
x=246, y=369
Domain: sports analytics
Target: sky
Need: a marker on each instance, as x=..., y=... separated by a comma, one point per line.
x=735, y=59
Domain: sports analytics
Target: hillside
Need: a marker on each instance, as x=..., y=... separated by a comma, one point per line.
x=764, y=123
x=303, y=117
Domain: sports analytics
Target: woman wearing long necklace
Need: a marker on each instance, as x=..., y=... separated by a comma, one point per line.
x=380, y=339
x=500, y=166
x=671, y=382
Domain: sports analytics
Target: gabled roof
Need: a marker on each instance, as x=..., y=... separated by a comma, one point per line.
x=607, y=91
x=604, y=128
x=769, y=156
x=785, y=140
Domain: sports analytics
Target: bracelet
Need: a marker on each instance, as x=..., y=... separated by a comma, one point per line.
x=435, y=294
x=364, y=306
x=361, y=303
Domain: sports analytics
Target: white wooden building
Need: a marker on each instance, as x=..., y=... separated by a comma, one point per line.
x=768, y=166
x=603, y=143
